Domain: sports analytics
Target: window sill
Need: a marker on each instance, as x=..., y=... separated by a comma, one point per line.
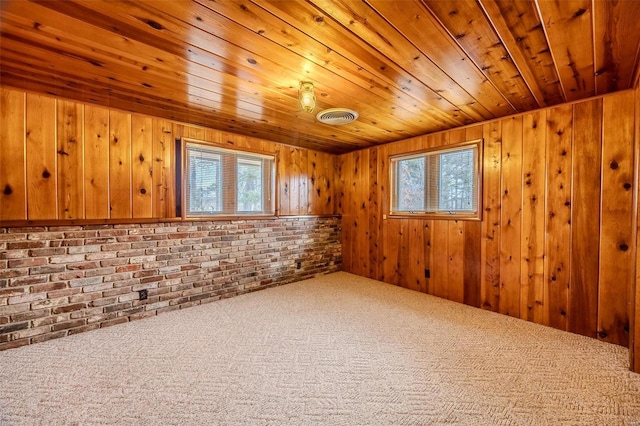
x=434, y=216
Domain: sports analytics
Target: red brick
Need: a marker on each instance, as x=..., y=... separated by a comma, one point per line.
x=81, y=265
x=104, y=301
x=50, y=320
x=26, y=298
x=26, y=245
x=48, y=336
x=30, y=332
x=64, y=292
x=68, y=324
x=116, y=321
x=89, y=312
x=116, y=292
x=102, y=317
x=38, y=270
x=84, y=328
x=24, y=263
x=47, y=252
x=50, y=303
x=112, y=232
x=68, y=308
x=117, y=307
x=13, y=344
x=114, y=262
x=30, y=315
x=13, y=309
x=9, y=292
x=48, y=287
x=128, y=268
x=8, y=328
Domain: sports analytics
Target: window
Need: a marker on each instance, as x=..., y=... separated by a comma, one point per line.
x=442, y=182
x=220, y=181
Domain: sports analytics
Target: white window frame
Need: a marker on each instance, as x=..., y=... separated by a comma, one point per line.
x=431, y=190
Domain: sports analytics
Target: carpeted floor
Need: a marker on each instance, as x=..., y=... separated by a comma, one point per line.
x=334, y=350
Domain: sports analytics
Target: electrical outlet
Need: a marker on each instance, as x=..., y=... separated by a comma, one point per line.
x=143, y=294
x=298, y=265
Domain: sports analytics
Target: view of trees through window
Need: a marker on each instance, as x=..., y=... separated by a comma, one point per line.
x=436, y=182
x=249, y=185
x=456, y=186
x=205, y=193
x=411, y=184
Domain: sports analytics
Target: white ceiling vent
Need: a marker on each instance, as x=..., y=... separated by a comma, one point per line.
x=337, y=116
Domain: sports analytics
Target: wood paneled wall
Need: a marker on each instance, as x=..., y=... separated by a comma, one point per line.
x=634, y=348
x=556, y=245
x=66, y=160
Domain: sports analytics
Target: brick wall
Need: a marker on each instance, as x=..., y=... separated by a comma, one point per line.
x=61, y=280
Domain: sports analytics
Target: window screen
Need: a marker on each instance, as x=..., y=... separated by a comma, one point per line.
x=225, y=182
x=438, y=182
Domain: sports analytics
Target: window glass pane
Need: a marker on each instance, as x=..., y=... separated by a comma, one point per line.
x=249, y=185
x=411, y=185
x=205, y=183
x=457, y=181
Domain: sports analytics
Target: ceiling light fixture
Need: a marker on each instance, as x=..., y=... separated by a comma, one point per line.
x=306, y=96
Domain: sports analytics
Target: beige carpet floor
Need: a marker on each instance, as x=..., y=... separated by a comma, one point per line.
x=333, y=350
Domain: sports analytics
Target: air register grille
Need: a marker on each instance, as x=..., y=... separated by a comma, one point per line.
x=337, y=116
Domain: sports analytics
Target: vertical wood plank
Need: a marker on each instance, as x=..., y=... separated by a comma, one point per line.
x=374, y=215
x=359, y=204
x=616, y=254
x=119, y=164
x=348, y=216
x=455, y=261
x=413, y=254
x=328, y=185
x=383, y=199
x=511, y=216
x=41, y=158
x=472, y=244
x=473, y=132
x=96, y=162
x=558, y=216
x=314, y=163
x=13, y=196
x=163, y=178
x=585, y=217
x=455, y=241
x=70, y=122
x=284, y=159
x=533, y=216
x=303, y=206
x=417, y=251
x=142, y=165
x=490, y=247
x=392, y=271
x=472, y=269
x=293, y=171
x=439, y=264
x=634, y=344
x=427, y=228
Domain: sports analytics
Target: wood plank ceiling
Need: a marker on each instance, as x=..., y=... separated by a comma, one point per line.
x=408, y=67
